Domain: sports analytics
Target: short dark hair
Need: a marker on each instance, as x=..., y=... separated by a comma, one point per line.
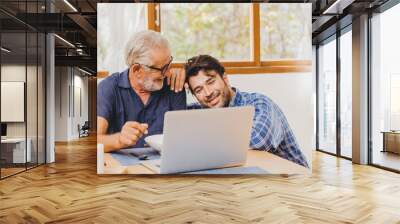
x=202, y=62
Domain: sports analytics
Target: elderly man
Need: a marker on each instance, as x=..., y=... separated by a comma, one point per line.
x=132, y=103
x=271, y=132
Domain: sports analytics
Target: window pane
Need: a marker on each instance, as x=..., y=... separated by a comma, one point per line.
x=385, y=88
x=345, y=93
x=395, y=101
x=327, y=97
x=220, y=30
x=116, y=24
x=285, y=31
x=13, y=82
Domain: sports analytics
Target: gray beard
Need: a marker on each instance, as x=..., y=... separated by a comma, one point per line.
x=149, y=85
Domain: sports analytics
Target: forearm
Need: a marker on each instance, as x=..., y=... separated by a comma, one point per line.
x=266, y=133
x=110, y=142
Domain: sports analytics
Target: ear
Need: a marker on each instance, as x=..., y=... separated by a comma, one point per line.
x=135, y=67
x=225, y=78
x=135, y=70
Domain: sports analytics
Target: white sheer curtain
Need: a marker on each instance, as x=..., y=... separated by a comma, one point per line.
x=115, y=25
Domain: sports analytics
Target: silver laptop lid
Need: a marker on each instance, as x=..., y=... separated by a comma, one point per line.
x=206, y=138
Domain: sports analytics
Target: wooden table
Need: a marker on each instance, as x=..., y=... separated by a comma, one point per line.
x=107, y=164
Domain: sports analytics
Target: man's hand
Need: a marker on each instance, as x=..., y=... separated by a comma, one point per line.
x=131, y=132
x=176, y=79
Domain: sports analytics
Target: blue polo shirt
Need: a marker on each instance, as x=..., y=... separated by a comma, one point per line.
x=118, y=103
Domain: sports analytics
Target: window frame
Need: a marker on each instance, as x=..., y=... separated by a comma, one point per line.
x=253, y=66
x=334, y=37
x=370, y=29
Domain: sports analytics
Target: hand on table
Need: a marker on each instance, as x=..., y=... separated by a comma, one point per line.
x=131, y=132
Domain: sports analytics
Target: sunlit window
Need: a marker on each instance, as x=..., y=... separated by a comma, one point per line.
x=285, y=31
x=327, y=97
x=385, y=88
x=395, y=101
x=220, y=30
x=346, y=93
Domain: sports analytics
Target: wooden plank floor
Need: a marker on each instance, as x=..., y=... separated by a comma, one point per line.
x=10, y=171
x=387, y=159
x=70, y=191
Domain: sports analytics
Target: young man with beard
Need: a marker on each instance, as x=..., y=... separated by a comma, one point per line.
x=271, y=131
x=132, y=103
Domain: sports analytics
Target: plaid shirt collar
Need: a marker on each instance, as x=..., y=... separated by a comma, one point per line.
x=236, y=99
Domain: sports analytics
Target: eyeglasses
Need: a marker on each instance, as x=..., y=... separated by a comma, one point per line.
x=163, y=69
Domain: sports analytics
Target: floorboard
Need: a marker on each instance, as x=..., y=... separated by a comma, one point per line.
x=70, y=191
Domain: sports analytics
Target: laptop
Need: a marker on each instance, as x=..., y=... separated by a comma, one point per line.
x=204, y=139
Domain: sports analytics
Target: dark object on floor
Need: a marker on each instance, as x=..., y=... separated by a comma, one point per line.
x=84, y=130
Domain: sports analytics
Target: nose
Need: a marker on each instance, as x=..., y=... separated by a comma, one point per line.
x=207, y=91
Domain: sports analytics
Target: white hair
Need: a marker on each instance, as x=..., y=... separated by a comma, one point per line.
x=141, y=44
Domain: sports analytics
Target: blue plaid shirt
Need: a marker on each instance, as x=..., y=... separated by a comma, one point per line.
x=271, y=130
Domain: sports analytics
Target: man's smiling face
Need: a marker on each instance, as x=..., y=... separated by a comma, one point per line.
x=210, y=89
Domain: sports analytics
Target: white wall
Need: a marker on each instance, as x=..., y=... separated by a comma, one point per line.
x=80, y=83
x=295, y=95
x=61, y=103
x=67, y=117
x=12, y=73
x=33, y=127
